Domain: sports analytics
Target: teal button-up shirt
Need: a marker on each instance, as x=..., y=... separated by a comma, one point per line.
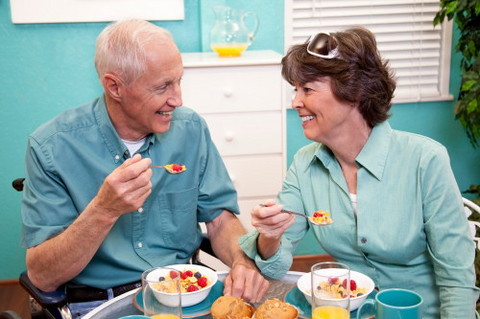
x=69, y=157
x=410, y=230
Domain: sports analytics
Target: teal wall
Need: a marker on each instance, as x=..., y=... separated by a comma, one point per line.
x=47, y=68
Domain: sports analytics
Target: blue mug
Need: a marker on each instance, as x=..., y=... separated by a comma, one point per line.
x=393, y=304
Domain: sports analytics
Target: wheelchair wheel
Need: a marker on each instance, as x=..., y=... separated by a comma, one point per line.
x=9, y=315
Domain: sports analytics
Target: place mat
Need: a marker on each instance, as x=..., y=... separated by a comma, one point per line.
x=296, y=298
x=195, y=311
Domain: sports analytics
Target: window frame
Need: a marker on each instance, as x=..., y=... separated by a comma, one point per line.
x=444, y=60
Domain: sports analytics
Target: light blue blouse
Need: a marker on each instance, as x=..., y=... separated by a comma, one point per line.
x=410, y=230
x=69, y=157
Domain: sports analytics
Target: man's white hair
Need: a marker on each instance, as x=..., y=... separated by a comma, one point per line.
x=121, y=48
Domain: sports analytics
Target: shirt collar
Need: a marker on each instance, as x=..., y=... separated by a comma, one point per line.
x=373, y=155
x=117, y=149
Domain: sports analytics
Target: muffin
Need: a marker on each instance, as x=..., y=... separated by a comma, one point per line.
x=276, y=309
x=228, y=307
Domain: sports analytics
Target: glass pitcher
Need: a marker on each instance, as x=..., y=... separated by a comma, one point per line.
x=229, y=35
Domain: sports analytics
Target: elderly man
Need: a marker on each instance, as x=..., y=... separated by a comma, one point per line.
x=95, y=212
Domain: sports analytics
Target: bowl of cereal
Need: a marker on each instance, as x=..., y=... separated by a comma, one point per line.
x=361, y=287
x=196, y=283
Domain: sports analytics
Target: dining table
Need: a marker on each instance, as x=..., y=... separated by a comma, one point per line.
x=285, y=289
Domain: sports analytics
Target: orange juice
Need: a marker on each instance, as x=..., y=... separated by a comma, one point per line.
x=231, y=49
x=330, y=312
x=165, y=316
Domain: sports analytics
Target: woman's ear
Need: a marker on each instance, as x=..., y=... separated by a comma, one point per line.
x=113, y=86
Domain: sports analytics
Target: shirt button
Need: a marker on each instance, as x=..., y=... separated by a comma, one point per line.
x=363, y=240
x=126, y=152
x=139, y=244
x=117, y=157
x=140, y=210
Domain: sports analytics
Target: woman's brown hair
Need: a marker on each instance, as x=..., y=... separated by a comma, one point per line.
x=358, y=74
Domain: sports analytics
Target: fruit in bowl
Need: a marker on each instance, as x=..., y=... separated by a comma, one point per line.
x=361, y=286
x=196, y=283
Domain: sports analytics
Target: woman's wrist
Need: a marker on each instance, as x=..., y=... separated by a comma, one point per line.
x=267, y=246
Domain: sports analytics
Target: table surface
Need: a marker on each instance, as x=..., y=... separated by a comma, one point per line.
x=123, y=305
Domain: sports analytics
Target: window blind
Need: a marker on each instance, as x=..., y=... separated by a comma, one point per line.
x=419, y=53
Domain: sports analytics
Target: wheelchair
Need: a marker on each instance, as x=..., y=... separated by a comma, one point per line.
x=54, y=305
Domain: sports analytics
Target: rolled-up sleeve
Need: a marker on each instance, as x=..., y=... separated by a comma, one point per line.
x=449, y=242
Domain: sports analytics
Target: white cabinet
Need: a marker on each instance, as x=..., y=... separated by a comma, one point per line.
x=242, y=101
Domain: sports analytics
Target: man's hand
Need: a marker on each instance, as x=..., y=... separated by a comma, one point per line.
x=245, y=281
x=126, y=188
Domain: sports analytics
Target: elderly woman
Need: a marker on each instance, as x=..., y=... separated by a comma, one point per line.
x=397, y=210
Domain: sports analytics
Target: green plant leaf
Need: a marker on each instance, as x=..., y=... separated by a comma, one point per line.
x=451, y=7
x=468, y=85
x=472, y=106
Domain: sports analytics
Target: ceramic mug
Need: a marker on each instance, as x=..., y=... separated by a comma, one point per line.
x=393, y=304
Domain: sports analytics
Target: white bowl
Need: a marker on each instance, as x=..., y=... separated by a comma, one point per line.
x=304, y=284
x=188, y=298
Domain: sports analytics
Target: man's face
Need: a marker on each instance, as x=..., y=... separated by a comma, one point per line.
x=146, y=105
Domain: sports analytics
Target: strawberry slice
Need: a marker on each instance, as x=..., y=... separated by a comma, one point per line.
x=353, y=284
x=192, y=288
x=202, y=282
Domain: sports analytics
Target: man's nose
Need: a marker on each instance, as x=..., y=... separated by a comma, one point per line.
x=176, y=98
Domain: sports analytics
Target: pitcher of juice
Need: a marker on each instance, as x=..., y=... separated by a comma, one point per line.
x=230, y=35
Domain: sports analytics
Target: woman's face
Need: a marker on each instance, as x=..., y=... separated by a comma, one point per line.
x=324, y=117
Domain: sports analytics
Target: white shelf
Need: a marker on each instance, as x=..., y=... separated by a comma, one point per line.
x=211, y=59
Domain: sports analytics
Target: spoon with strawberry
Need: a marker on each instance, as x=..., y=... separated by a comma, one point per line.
x=319, y=218
x=172, y=168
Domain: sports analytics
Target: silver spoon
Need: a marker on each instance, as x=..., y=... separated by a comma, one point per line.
x=310, y=218
x=172, y=168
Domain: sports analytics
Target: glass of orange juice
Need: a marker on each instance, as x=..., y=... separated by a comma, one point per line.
x=330, y=291
x=162, y=293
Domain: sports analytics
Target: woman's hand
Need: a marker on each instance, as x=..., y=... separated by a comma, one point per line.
x=269, y=221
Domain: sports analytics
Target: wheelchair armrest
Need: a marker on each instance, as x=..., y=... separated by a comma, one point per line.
x=56, y=298
x=206, y=246
x=18, y=184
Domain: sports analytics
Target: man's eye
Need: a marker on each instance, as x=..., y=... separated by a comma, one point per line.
x=161, y=88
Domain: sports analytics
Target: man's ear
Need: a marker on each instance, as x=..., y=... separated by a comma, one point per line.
x=112, y=85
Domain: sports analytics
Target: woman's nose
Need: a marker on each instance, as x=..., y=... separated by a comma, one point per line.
x=296, y=100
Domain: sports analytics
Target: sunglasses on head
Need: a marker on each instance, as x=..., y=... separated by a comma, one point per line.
x=323, y=45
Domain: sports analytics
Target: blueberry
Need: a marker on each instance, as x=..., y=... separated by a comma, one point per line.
x=198, y=275
x=161, y=278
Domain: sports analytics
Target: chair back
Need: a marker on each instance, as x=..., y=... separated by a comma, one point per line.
x=472, y=208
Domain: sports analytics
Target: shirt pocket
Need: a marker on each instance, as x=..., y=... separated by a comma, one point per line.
x=178, y=219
